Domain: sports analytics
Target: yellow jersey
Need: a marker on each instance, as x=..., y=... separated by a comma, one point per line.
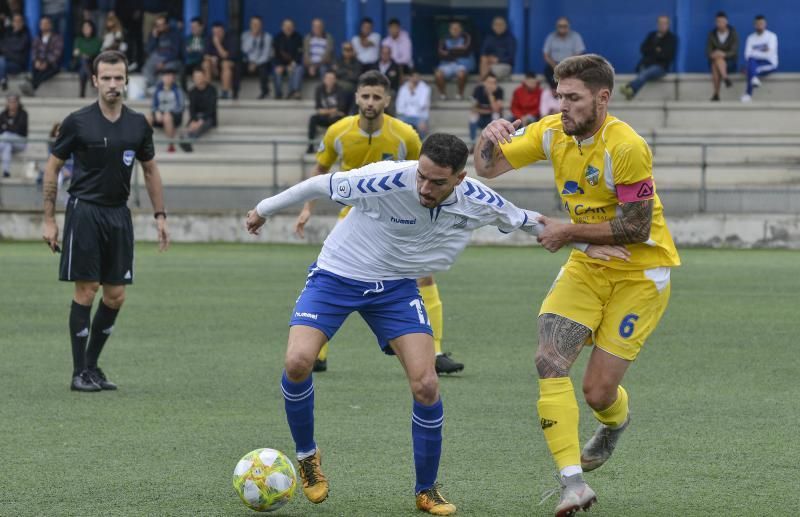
x=396, y=140
x=589, y=176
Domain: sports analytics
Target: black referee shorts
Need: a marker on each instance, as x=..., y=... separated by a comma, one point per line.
x=98, y=244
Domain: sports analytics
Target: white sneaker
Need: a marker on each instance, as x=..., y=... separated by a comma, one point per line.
x=576, y=495
x=601, y=445
x=746, y=98
x=756, y=82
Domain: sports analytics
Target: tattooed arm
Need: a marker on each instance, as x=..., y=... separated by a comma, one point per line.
x=489, y=159
x=632, y=227
x=50, y=191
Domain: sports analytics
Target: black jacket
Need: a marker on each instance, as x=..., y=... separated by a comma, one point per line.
x=17, y=125
x=658, y=50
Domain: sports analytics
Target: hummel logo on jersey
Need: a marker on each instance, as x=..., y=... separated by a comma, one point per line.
x=83, y=333
x=127, y=275
x=547, y=423
x=308, y=315
x=461, y=222
x=403, y=221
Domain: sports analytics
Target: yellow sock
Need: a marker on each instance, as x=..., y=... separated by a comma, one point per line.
x=558, y=416
x=615, y=414
x=323, y=352
x=433, y=306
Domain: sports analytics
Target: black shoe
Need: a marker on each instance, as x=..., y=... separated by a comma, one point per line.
x=311, y=149
x=263, y=95
x=320, y=365
x=99, y=378
x=715, y=98
x=446, y=365
x=728, y=83
x=186, y=147
x=84, y=382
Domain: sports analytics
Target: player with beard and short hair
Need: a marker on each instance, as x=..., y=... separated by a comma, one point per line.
x=104, y=139
x=368, y=137
x=604, y=173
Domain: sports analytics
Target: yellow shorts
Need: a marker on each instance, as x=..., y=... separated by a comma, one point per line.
x=621, y=307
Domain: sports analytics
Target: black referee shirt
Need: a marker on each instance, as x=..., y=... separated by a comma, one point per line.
x=103, y=152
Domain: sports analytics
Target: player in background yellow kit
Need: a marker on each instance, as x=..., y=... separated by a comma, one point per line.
x=372, y=136
x=604, y=174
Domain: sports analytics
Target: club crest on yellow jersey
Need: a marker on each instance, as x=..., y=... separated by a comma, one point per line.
x=592, y=175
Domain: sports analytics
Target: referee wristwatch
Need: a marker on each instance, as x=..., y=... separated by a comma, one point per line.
x=157, y=214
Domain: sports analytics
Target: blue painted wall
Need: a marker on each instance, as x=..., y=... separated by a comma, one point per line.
x=616, y=32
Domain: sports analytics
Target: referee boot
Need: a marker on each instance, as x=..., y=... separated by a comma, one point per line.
x=444, y=364
x=100, y=379
x=84, y=382
x=315, y=484
x=600, y=446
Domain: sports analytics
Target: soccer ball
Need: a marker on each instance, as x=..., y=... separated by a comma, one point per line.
x=265, y=480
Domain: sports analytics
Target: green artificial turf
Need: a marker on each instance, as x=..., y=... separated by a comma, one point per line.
x=198, y=351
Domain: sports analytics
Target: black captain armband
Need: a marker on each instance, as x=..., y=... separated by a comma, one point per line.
x=155, y=215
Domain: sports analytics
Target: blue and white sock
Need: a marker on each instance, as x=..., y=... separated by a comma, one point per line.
x=299, y=404
x=426, y=435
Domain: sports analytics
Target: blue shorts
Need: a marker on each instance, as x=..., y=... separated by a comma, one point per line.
x=391, y=308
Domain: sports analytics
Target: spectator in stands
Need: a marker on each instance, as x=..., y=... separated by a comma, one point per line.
x=367, y=44
x=414, y=103
x=56, y=10
x=390, y=69
x=150, y=12
x=87, y=47
x=167, y=108
x=559, y=45
x=317, y=49
x=13, y=131
x=202, y=109
x=722, y=49
x=194, y=50
x=658, y=52
x=114, y=37
x=487, y=105
x=257, y=54
x=400, y=43
x=456, y=59
x=548, y=103
x=525, y=100
x=222, y=53
x=16, y=47
x=760, y=54
x=331, y=104
x=498, y=50
x=46, y=56
x=288, y=60
x=163, y=50
x=347, y=69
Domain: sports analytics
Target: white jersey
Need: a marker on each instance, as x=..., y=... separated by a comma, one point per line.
x=390, y=235
x=762, y=46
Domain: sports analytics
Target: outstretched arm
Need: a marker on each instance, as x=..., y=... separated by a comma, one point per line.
x=315, y=187
x=305, y=213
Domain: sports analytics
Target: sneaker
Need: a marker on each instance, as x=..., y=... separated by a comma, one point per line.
x=100, y=378
x=755, y=82
x=225, y=94
x=600, y=447
x=315, y=484
x=746, y=98
x=715, y=98
x=4, y=84
x=171, y=148
x=576, y=495
x=432, y=502
x=460, y=97
x=728, y=82
x=628, y=92
x=263, y=95
x=6, y=174
x=27, y=90
x=446, y=365
x=187, y=147
x=84, y=382
x=320, y=365
x=442, y=97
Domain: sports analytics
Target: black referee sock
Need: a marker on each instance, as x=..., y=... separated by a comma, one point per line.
x=79, y=316
x=102, y=326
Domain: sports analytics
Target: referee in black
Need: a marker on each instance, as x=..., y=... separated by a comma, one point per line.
x=104, y=138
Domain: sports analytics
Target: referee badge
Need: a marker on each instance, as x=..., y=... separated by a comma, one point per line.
x=127, y=157
x=592, y=175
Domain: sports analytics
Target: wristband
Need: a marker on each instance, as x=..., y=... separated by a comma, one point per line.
x=156, y=214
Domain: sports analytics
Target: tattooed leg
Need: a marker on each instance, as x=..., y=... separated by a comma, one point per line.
x=560, y=342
